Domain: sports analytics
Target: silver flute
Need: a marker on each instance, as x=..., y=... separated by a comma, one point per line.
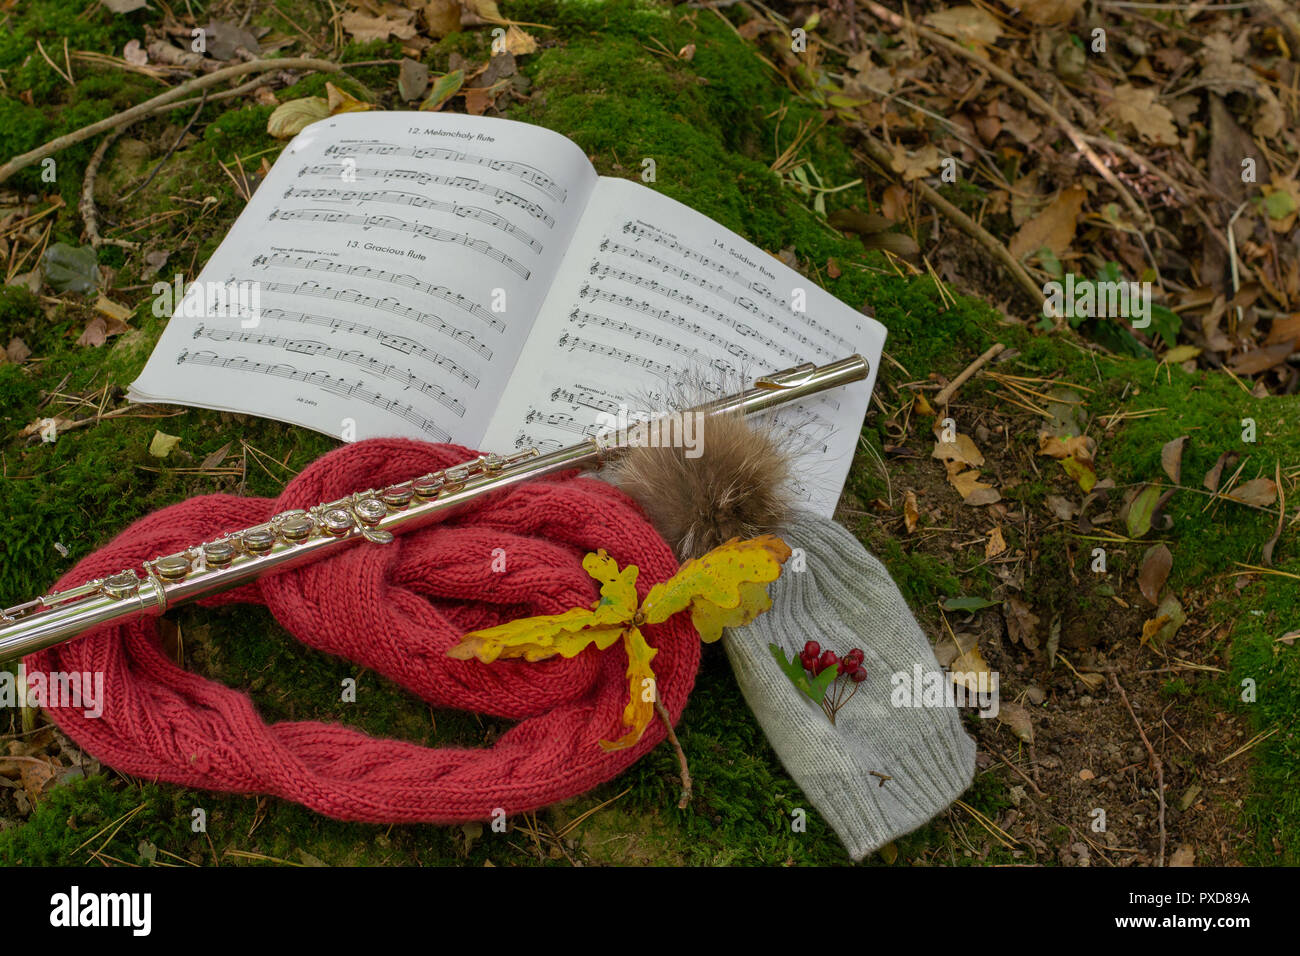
x=297, y=537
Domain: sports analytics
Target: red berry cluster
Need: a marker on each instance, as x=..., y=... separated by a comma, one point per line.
x=849, y=671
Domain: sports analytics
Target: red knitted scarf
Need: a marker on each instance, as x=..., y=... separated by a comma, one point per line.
x=396, y=609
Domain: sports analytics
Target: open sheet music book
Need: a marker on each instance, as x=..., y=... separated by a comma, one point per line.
x=463, y=279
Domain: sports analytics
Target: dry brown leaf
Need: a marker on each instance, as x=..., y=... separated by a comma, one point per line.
x=440, y=18
x=973, y=491
x=1079, y=447
x=1171, y=458
x=965, y=24
x=1047, y=12
x=518, y=42
x=962, y=450
x=1022, y=623
x=996, y=544
x=217, y=457
x=364, y=28
x=1262, y=359
x=914, y=165
x=1017, y=718
x=966, y=669
x=911, y=513
x=1260, y=492
x=17, y=351
x=1153, y=574
x=1053, y=228
x=1139, y=109
x=94, y=334
x=1215, y=474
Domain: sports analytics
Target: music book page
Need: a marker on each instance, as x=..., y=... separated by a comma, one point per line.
x=399, y=260
x=392, y=270
x=650, y=288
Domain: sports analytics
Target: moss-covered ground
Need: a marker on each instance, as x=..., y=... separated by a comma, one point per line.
x=714, y=124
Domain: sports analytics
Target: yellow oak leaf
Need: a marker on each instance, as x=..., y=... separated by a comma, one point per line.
x=537, y=638
x=724, y=588
x=642, y=689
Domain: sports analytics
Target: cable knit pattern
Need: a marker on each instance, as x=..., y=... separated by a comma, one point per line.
x=395, y=609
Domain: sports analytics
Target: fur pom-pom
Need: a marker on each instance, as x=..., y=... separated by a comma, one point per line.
x=738, y=486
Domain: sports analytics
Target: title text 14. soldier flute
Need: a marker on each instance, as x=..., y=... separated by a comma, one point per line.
x=297, y=537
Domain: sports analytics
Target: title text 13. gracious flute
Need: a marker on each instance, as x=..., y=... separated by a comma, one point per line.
x=297, y=537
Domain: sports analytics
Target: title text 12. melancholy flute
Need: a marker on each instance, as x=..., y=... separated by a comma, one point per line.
x=296, y=537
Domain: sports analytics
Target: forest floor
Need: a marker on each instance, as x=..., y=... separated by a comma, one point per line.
x=1109, y=532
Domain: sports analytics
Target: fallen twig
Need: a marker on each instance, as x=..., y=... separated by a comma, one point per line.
x=1155, y=761
x=951, y=388
x=148, y=106
x=86, y=206
x=1010, y=79
x=685, y=801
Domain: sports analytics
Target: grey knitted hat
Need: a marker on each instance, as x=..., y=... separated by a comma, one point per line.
x=844, y=598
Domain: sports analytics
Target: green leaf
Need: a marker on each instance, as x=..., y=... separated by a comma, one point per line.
x=1279, y=204
x=444, y=88
x=1166, y=324
x=1110, y=272
x=291, y=118
x=965, y=603
x=814, y=688
x=71, y=268
x=1141, y=511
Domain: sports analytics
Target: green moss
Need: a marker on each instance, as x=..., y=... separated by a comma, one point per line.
x=714, y=126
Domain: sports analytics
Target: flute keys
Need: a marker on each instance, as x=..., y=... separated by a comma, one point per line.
x=396, y=497
x=174, y=567
x=218, y=554
x=122, y=583
x=371, y=510
x=258, y=540
x=296, y=527
x=337, y=521
x=427, y=486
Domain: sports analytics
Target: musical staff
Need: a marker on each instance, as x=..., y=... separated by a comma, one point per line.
x=398, y=342
x=586, y=398
x=529, y=174
x=609, y=245
x=560, y=420
x=580, y=318
x=321, y=380
x=405, y=377
x=333, y=216
x=401, y=279
x=415, y=200
x=642, y=232
x=336, y=172
x=386, y=304
x=572, y=342
x=525, y=440
x=595, y=293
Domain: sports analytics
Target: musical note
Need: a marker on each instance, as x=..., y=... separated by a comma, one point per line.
x=397, y=342
x=560, y=420
x=401, y=225
x=393, y=278
x=361, y=197
x=585, y=398
x=665, y=315
x=643, y=232
x=405, y=377
x=321, y=380
x=387, y=304
x=789, y=332
x=334, y=171
x=529, y=174
x=575, y=342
